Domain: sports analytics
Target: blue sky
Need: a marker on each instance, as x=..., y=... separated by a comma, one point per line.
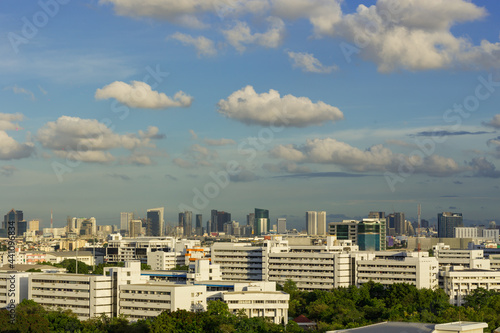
x=120, y=105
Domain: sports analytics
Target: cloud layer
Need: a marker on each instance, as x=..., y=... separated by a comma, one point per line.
x=270, y=109
x=308, y=63
x=141, y=95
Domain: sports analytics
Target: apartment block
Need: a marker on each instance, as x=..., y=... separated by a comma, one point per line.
x=88, y=296
x=240, y=261
x=420, y=271
x=463, y=258
x=13, y=287
x=256, y=303
x=458, y=282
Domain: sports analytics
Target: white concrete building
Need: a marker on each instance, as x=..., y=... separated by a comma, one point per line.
x=88, y=296
x=421, y=272
x=240, y=261
x=162, y=261
x=312, y=223
x=464, y=258
x=465, y=232
x=458, y=282
x=256, y=303
x=491, y=234
x=322, y=230
x=13, y=288
x=147, y=300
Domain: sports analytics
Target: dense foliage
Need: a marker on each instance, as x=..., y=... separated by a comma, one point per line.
x=336, y=309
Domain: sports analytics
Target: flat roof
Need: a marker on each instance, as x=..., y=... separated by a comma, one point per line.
x=392, y=327
x=460, y=325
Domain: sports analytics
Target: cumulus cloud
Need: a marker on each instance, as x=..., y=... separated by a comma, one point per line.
x=7, y=121
x=308, y=63
x=270, y=108
x=141, y=95
x=414, y=35
x=241, y=35
x=220, y=142
x=484, y=168
x=186, y=13
x=203, y=45
x=19, y=90
x=375, y=158
x=89, y=140
x=10, y=149
x=495, y=122
x=152, y=132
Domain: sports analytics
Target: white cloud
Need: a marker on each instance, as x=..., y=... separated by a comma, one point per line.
x=220, y=142
x=7, y=121
x=414, y=35
x=203, y=45
x=308, y=63
x=495, y=122
x=43, y=91
x=10, y=149
x=270, y=108
x=286, y=166
x=376, y=158
x=141, y=95
x=19, y=90
x=241, y=35
x=185, y=12
x=88, y=140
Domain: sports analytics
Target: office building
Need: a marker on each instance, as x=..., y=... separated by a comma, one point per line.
x=281, y=225
x=465, y=232
x=34, y=225
x=397, y=224
x=322, y=231
x=14, y=217
x=491, y=234
x=447, y=222
x=125, y=219
x=135, y=229
x=155, y=222
x=368, y=234
x=186, y=222
x=312, y=223
x=199, y=225
x=88, y=296
x=261, y=221
x=251, y=219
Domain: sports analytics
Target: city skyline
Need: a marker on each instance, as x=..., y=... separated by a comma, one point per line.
x=336, y=106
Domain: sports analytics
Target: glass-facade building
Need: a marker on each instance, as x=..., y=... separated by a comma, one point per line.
x=261, y=214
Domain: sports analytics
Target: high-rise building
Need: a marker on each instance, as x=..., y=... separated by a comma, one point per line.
x=322, y=223
x=34, y=225
x=188, y=223
x=155, y=222
x=368, y=233
x=447, y=222
x=125, y=219
x=199, y=225
x=281, y=225
x=397, y=222
x=261, y=221
x=312, y=222
x=222, y=218
x=213, y=219
x=251, y=219
x=135, y=228
x=209, y=227
x=13, y=216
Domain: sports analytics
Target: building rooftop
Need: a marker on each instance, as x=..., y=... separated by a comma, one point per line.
x=392, y=327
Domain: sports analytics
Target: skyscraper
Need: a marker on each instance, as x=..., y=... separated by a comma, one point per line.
x=199, y=225
x=281, y=225
x=322, y=223
x=14, y=216
x=312, y=222
x=397, y=222
x=213, y=219
x=261, y=221
x=447, y=222
x=125, y=219
x=222, y=218
x=188, y=223
x=155, y=222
